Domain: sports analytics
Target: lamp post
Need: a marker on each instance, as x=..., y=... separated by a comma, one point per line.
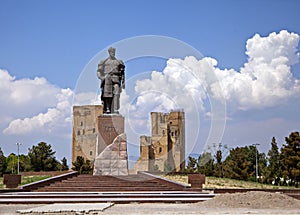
x=18, y=144
x=256, y=160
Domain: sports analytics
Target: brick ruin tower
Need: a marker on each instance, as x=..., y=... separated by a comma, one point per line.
x=164, y=150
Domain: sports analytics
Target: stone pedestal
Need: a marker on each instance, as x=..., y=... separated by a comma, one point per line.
x=111, y=146
x=110, y=126
x=113, y=160
x=11, y=181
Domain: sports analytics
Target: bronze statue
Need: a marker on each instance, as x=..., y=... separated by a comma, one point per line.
x=111, y=72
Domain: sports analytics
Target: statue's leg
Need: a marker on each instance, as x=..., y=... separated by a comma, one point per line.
x=104, y=104
x=116, y=99
x=107, y=105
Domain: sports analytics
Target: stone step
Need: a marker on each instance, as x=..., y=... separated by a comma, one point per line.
x=117, y=197
x=109, y=178
x=114, y=184
x=94, y=189
x=84, y=183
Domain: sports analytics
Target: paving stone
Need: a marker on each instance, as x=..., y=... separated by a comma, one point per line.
x=59, y=208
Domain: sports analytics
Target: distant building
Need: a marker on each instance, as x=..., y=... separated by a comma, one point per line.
x=85, y=131
x=165, y=149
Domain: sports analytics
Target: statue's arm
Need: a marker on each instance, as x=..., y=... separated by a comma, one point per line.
x=100, y=70
x=122, y=71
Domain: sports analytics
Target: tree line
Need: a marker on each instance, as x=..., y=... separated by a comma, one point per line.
x=39, y=158
x=277, y=167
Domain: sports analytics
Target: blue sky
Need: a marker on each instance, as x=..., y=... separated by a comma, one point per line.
x=55, y=40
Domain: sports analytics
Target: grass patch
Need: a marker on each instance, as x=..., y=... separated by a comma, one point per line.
x=27, y=179
x=214, y=183
x=30, y=179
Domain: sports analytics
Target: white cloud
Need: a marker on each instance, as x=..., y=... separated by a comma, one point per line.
x=24, y=97
x=86, y=98
x=266, y=79
x=197, y=85
x=34, y=105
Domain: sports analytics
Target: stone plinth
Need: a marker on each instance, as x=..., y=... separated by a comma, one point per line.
x=196, y=180
x=111, y=156
x=11, y=181
x=113, y=160
x=110, y=126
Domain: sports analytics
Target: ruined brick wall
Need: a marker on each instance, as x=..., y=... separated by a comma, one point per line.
x=142, y=164
x=85, y=131
x=167, y=147
x=177, y=131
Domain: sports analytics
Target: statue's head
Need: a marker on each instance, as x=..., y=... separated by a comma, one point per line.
x=112, y=51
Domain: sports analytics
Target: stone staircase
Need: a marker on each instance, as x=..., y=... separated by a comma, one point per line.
x=74, y=188
x=128, y=183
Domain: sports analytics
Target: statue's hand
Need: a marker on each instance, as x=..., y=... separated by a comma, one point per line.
x=123, y=86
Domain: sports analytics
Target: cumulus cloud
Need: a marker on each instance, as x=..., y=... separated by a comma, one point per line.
x=182, y=85
x=175, y=87
x=200, y=87
x=21, y=98
x=33, y=105
x=266, y=79
x=86, y=98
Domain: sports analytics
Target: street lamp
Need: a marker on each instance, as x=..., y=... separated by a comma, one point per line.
x=256, y=165
x=18, y=144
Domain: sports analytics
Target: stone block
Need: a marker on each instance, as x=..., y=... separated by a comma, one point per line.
x=114, y=164
x=123, y=146
x=105, y=154
x=196, y=180
x=123, y=155
x=114, y=147
x=112, y=161
x=11, y=181
x=106, y=172
x=114, y=155
x=122, y=164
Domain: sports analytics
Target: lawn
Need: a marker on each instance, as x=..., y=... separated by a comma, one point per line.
x=213, y=182
x=210, y=182
x=27, y=179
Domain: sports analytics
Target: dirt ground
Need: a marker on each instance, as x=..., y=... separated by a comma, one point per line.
x=254, y=202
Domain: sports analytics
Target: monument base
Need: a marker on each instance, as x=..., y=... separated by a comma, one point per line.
x=113, y=160
x=111, y=157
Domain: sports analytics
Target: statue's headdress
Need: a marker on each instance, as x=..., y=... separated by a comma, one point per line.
x=111, y=49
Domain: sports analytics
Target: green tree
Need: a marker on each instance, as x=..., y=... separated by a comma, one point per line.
x=25, y=164
x=206, y=164
x=78, y=163
x=192, y=165
x=218, y=150
x=12, y=163
x=262, y=166
x=87, y=168
x=64, y=164
x=238, y=164
x=82, y=166
x=290, y=153
x=273, y=171
x=42, y=157
x=3, y=163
